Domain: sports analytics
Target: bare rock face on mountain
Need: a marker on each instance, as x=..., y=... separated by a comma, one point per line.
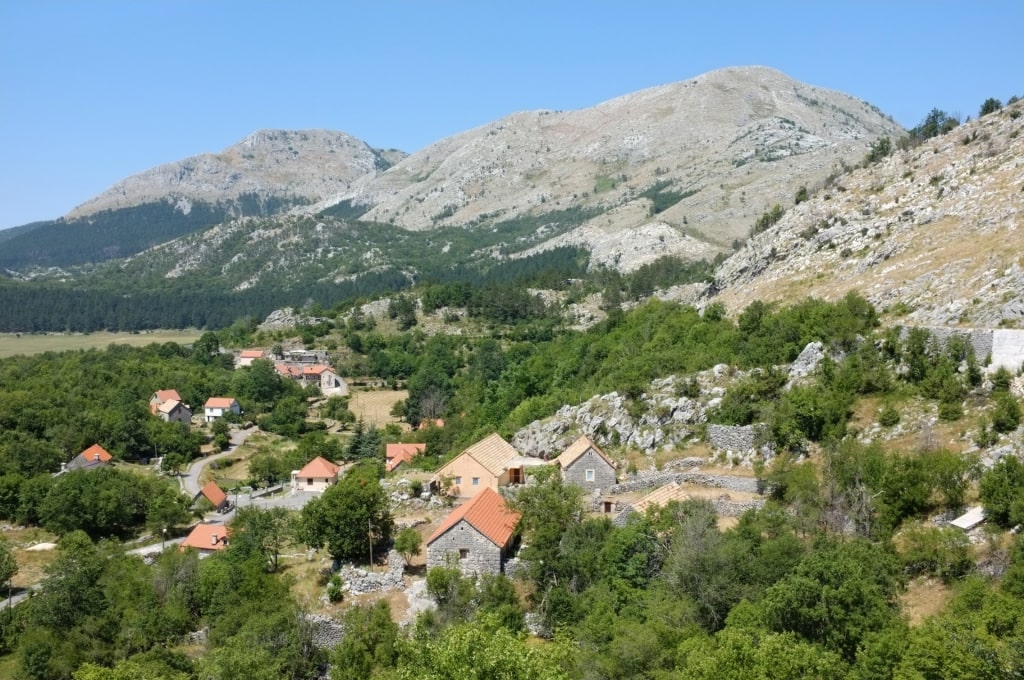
x=303, y=164
x=932, y=235
x=682, y=169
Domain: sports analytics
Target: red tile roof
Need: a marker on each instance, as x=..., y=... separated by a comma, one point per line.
x=251, y=354
x=318, y=369
x=288, y=371
x=319, y=467
x=214, y=494
x=207, y=537
x=396, y=454
x=220, y=402
x=166, y=395
x=96, y=452
x=488, y=513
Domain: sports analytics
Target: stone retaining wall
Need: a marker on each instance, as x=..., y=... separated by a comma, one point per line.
x=651, y=479
x=735, y=437
x=1004, y=346
x=324, y=631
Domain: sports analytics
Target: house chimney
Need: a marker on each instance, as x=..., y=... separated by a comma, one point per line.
x=213, y=540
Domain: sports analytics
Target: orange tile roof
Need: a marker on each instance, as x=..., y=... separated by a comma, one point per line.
x=166, y=395
x=318, y=369
x=96, y=452
x=220, y=402
x=207, y=537
x=488, y=513
x=577, y=449
x=319, y=467
x=251, y=354
x=396, y=454
x=288, y=371
x=214, y=494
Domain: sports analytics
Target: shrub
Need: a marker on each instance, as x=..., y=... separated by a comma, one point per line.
x=1006, y=415
x=888, y=416
x=990, y=105
x=335, y=588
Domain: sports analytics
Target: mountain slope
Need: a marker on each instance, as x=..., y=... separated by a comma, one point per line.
x=700, y=158
x=267, y=173
x=931, y=235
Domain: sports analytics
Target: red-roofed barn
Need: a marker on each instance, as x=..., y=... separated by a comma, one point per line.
x=477, y=535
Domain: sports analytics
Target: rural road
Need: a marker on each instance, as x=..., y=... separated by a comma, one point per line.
x=190, y=478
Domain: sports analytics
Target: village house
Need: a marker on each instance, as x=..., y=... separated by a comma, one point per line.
x=247, y=356
x=477, y=536
x=207, y=539
x=173, y=411
x=216, y=407
x=398, y=454
x=212, y=493
x=325, y=378
x=584, y=465
x=488, y=464
x=318, y=474
x=93, y=457
x=160, y=397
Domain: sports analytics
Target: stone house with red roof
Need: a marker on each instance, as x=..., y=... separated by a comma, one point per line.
x=318, y=474
x=93, y=457
x=247, y=356
x=489, y=464
x=477, y=536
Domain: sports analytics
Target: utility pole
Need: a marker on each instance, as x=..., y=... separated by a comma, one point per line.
x=369, y=535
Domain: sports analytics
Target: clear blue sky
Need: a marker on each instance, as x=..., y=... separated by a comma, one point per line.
x=94, y=91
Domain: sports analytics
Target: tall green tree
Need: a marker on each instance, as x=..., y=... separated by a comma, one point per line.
x=350, y=518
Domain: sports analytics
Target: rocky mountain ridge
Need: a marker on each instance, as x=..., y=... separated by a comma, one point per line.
x=931, y=235
x=298, y=164
x=680, y=169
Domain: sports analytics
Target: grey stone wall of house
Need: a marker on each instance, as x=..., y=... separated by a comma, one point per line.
x=604, y=474
x=483, y=557
x=735, y=437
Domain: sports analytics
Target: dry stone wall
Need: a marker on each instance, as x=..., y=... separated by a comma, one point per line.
x=735, y=437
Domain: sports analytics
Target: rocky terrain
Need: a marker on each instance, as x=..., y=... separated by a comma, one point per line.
x=300, y=164
x=726, y=144
x=932, y=235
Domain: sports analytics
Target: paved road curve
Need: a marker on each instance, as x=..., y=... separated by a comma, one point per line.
x=190, y=479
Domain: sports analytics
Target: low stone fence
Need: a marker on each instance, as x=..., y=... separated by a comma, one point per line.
x=648, y=480
x=360, y=581
x=735, y=437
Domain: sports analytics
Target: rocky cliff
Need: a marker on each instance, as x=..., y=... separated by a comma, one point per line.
x=931, y=235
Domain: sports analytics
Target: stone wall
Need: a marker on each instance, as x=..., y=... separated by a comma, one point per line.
x=650, y=479
x=324, y=631
x=483, y=557
x=1004, y=346
x=360, y=581
x=735, y=437
x=604, y=474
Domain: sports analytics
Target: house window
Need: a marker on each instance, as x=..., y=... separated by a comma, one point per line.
x=476, y=481
x=463, y=553
x=309, y=481
x=590, y=475
x=458, y=480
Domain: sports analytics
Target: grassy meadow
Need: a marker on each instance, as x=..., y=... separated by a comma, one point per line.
x=12, y=344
